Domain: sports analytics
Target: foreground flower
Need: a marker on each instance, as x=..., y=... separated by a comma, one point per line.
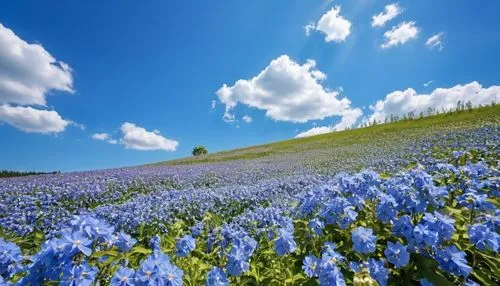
x=453, y=261
x=285, y=243
x=184, y=246
x=311, y=266
x=216, y=277
x=483, y=238
x=123, y=277
x=83, y=275
x=397, y=254
x=363, y=240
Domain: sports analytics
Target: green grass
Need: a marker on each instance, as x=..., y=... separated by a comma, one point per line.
x=339, y=141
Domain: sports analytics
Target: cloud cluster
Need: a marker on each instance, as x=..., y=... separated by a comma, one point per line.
x=349, y=118
x=389, y=13
x=402, y=102
x=286, y=91
x=27, y=74
x=335, y=27
x=400, y=34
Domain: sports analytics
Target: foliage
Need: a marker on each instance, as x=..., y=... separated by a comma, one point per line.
x=199, y=150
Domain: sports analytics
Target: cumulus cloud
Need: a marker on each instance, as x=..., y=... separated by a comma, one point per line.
x=435, y=42
x=28, y=72
x=101, y=136
x=389, y=13
x=138, y=138
x=400, y=34
x=33, y=120
x=247, y=118
x=286, y=91
x=403, y=102
x=349, y=118
x=335, y=27
x=426, y=84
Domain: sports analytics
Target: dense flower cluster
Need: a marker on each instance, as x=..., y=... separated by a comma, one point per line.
x=437, y=220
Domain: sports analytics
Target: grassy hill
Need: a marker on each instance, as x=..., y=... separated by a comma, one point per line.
x=389, y=134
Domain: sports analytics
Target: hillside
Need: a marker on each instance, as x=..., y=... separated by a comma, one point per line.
x=389, y=133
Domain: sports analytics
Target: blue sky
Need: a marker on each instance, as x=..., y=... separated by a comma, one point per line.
x=143, y=75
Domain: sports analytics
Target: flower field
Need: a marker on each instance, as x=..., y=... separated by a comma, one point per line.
x=401, y=210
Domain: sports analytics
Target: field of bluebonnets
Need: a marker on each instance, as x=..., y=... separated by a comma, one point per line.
x=414, y=208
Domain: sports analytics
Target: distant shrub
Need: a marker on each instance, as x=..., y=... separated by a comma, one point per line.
x=199, y=150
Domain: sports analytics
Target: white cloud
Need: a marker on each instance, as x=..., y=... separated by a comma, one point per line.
x=349, y=118
x=247, y=118
x=138, y=138
x=403, y=102
x=101, y=136
x=309, y=28
x=287, y=91
x=335, y=27
x=33, y=120
x=400, y=34
x=28, y=72
x=113, y=141
x=435, y=42
x=389, y=13
x=213, y=105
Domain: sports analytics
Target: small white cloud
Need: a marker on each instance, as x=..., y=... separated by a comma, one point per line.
x=402, y=102
x=435, y=42
x=100, y=136
x=113, y=141
x=33, y=120
x=315, y=131
x=428, y=83
x=389, y=13
x=247, y=118
x=28, y=72
x=138, y=138
x=287, y=91
x=214, y=103
x=400, y=34
x=335, y=27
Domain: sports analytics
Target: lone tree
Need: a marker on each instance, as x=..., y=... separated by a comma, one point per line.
x=199, y=150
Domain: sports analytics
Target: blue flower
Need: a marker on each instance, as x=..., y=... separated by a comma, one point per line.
x=317, y=226
x=172, y=275
x=285, y=243
x=363, y=240
x=184, y=246
x=10, y=258
x=330, y=275
x=403, y=227
x=311, y=266
x=238, y=261
x=216, y=277
x=378, y=271
x=79, y=243
x=483, y=238
x=155, y=242
x=422, y=234
x=123, y=277
x=83, y=275
x=453, y=261
x=125, y=242
x=397, y=254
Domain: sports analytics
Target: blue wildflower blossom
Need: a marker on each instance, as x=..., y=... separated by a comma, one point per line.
x=397, y=254
x=471, y=283
x=10, y=258
x=403, y=227
x=310, y=265
x=363, y=240
x=285, y=243
x=155, y=242
x=425, y=282
x=471, y=199
x=185, y=245
x=238, y=261
x=453, y=261
x=79, y=242
x=483, y=238
x=172, y=275
x=423, y=235
x=82, y=274
x=125, y=242
x=317, y=226
x=330, y=275
x=378, y=271
x=216, y=277
x=123, y=277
